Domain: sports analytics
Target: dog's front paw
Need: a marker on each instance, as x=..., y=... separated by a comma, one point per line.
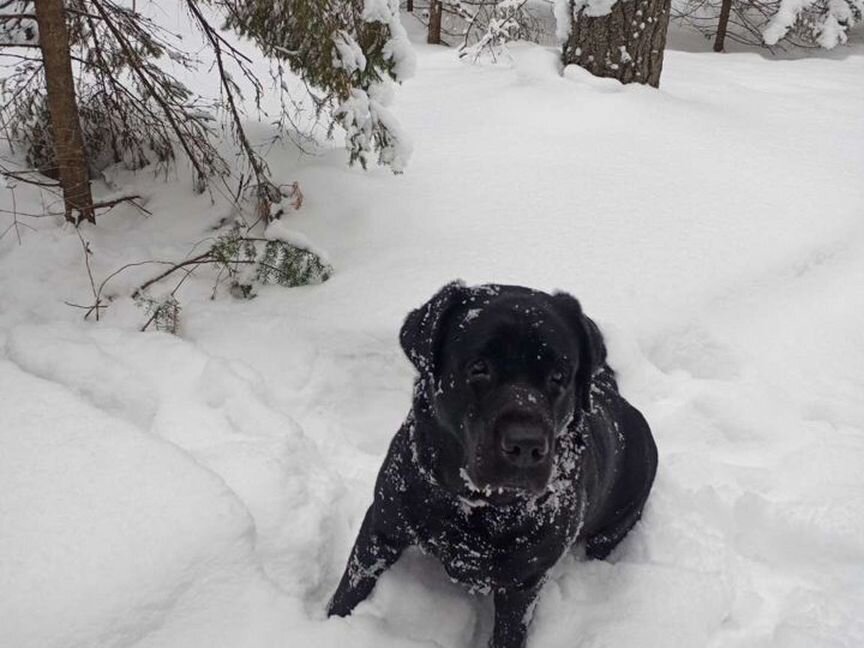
x=513, y=639
x=339, y=606
x=507, y=643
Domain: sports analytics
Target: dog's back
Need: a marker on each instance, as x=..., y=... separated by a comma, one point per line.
x=621, y=463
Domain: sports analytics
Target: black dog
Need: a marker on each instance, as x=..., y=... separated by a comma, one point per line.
x=518, y=444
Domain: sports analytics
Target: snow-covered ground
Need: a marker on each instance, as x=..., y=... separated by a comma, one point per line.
x=204, y=490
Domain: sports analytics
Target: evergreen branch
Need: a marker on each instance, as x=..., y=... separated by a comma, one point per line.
x=267, y=191
x=141, y=73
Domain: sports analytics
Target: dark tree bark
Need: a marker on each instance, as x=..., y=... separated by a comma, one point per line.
x=62, y=106
x=433, y=36
x=720, y=37
x=626, y=44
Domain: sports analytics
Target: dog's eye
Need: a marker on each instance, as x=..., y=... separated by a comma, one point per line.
x=479, y=370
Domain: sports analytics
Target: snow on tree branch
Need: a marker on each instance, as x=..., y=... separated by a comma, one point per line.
x=349, y=53
x=825, y=22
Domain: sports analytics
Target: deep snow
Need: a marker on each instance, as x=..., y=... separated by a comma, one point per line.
x=203, y=490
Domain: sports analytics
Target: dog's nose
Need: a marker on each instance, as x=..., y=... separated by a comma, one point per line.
x=524, y=446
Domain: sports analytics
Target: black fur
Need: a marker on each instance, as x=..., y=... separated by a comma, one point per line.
x=504, y=371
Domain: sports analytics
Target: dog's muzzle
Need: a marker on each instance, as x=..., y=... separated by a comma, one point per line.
x=517, y=444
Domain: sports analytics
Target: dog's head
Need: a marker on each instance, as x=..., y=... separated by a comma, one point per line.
x=505, y=370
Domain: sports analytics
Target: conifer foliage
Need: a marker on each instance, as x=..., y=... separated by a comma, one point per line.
x=772, y=23
x=133, y=111
x=123, y=106
x=350, y=52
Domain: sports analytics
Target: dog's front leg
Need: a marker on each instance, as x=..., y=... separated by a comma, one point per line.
x=377, y=547
x=513, y=611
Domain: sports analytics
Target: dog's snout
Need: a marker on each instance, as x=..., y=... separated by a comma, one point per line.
x=524, y=445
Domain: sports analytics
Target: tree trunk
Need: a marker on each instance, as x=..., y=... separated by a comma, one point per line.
x=720, y=38
x=65, y=126
x=626, y=44
x=433, y=37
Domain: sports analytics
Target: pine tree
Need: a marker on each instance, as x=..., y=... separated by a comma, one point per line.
x=130, y=110
x=349, y=52
x=133, y=111
x=69, y=153
x=772, y=23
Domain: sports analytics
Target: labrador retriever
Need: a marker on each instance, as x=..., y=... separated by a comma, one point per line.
x=517, y=446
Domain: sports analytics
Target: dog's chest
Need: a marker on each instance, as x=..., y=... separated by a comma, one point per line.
x=489, y=547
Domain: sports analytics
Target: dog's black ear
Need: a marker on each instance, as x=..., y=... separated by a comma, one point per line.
x=422, y=328
x=592, y=350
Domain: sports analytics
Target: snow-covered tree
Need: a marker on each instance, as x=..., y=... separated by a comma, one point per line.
x=349, y=52
x=483, y=26
x=126, y=108
x=133, y=111
x=621, y=39
x=799, y=23
x=490, y=24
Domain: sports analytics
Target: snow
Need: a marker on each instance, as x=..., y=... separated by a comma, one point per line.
x=829, y=21
x=18, y=31
x=278, y=231
x=563, y=11
x=350, y=54
x=106, y=531
x=783, y=20
x=364, y=113
x=398, y=48
x=204, y=489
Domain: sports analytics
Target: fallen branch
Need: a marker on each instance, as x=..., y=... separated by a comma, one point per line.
x=110, y=204
x=207, y=257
